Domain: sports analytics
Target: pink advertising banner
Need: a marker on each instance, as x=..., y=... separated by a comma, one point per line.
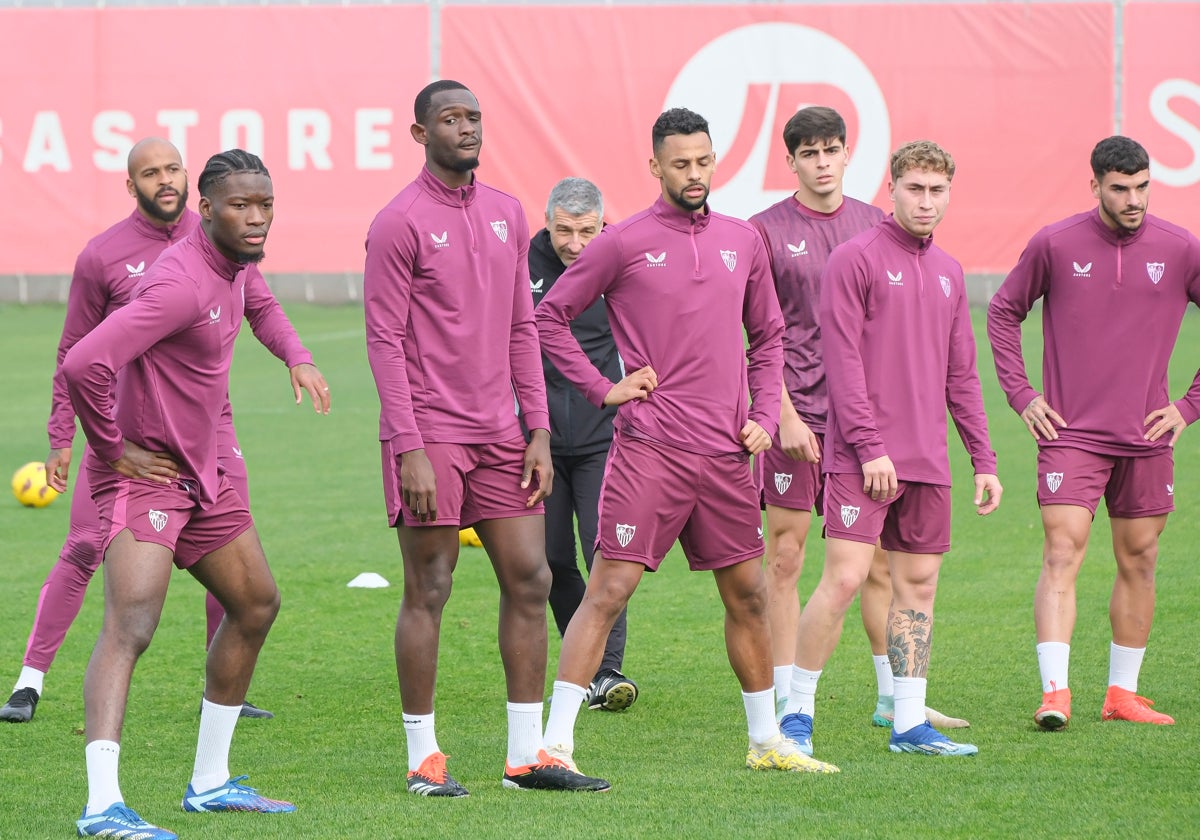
x=323, y=94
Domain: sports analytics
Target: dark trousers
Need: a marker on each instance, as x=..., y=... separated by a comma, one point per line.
x=577, y=495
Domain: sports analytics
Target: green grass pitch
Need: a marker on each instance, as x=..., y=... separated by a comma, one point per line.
x=675, y=759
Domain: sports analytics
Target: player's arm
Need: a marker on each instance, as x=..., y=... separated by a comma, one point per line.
x=796, y=439
x=763, y=322
x=593, y=274
x=387, y=299
x=86, y=304
x=525, y=362
x=275, y=332
x=164, y=306
x=1175, y=417
x=1025, y=284
x=845, y=295
x=964, y=401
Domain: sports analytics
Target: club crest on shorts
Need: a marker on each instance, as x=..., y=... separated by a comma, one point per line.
x=625, y=534
x=500, y=228
x=850, y=514
x=945, y=281
x=782, y=482
x=1155, y=270
x=158, y=519
x=730, y=258
x=1054, y=481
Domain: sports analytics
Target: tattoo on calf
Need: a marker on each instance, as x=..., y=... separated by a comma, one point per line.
x=910, y=635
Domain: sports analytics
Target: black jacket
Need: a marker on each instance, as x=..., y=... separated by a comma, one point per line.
x=576, y=426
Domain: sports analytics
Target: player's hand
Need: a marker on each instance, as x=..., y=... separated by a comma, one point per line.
x=754, y=438
x=797, y=441
x=635, y=386
x=538, y=462
x=1165, y=419
x=419, y=485
x=306, y=377
x=987, y=493
x=138, y=462
x=58, y=468
x=1041, y=419
x=879, y=478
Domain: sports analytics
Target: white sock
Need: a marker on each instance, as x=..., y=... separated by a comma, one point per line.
x=760, y=715
x=910, y=702
x=421, y=737
x=524, y=733
x=802, y=698
x=1053, y=660
x=1124, y=666
x=212, y=745
x=103, y=789
x=30, y=678
x=783, y=682
x=565, y=703
x=883, y=675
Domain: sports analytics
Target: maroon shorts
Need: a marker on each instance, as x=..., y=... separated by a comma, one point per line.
x=475, y=481
x=168, y=515
x=654, y=494
x=1132, y=488
x=916, y=520
x=795, y=485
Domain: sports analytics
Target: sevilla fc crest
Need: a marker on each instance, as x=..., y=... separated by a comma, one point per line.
x=945, y=281
x=158, y=519
x=782, y=482
x=730, y=258
x=849, y=515
x=1155, y=270
x=1054, y=481
x=500, y=228
x=625, y=534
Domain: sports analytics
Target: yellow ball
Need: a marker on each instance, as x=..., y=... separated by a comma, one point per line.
x=467, y=536
x=30, y=487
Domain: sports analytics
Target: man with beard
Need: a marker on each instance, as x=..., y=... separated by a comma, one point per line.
x=450, y=339
x=1115, y=283
x=580, y=433
x=681, y=283
x=160, y=493
x=106, y=273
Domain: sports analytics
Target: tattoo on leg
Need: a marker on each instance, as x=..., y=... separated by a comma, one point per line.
x=910, y=635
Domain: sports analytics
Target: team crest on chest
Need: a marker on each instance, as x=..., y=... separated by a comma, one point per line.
x=1054, y=481
x=782, y=482
x=500, y=228
x=625, y=534
x=945, y=281
x=1155, y=270
x=730, y=258
x=850, y=514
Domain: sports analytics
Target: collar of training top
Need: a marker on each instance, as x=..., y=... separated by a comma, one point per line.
x=452, y=196
x=674, y=217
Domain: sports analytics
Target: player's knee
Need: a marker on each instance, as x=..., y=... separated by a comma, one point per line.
x=1062, y=553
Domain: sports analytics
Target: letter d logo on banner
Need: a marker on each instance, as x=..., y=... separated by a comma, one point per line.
x=715, y=81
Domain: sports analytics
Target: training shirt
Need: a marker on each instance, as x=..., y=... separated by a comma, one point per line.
x=173, y=344
x=679, y=286
x=799, y=241
x=898, y=348
x=1112, y=304
x=106, y=272
x=450, y=334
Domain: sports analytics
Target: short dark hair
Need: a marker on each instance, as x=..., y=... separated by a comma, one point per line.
x=223, y=164
x=425, y=97
x=1119, y=154
x=811, y=125
x=676, y=121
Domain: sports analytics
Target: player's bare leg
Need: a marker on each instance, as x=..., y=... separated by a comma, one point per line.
x=787, y=532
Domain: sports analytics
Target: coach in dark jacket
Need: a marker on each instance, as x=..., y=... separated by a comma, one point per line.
x=580, y=433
